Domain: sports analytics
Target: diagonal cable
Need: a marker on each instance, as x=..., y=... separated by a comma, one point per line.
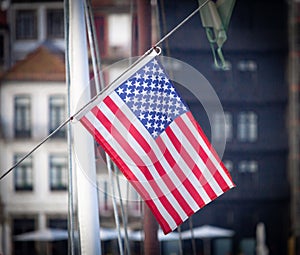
x=102, y=91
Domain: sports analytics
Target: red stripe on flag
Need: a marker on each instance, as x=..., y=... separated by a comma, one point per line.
x=149, y=151
x=214, y=171
x=189, y=161
x=128, y=174
x=181, y=175
x=135, y=158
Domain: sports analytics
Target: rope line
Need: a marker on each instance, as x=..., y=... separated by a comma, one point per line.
x=181, y=23
x=114, y=201
x=102, y=91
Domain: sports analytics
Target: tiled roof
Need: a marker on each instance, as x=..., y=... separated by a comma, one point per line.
x=43, y=64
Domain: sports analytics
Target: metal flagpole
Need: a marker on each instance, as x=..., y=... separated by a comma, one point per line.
x=83, y=143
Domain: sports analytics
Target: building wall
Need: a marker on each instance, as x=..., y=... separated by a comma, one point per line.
x=41, y=203
x=257, y=52
x=293, y=123
x=21, y=47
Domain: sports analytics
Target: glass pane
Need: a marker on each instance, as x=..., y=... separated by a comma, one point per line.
x=248, y=166
x=28, y=176
x=247, y=127
x=242, y=167
x=252, y=126
x=57, y=114
x=22, y=120
x=253, y=166
x=228, y=126
x=58, y=172
x=20, y=226
x=247, y=246
x=119, y=33
x=23, y=178
x=222, y=125
x=229, y=165
x=55, y=23
x=26, y=24
x=218, y=129
x=242, y=127
x=247, y=66
x=222, y=246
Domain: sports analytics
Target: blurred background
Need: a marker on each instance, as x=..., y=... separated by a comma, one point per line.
x=259, y=91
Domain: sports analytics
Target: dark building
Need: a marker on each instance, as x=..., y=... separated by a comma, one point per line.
x=253, y=93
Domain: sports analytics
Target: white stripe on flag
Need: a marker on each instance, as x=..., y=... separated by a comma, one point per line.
x=144, y=158
x=182, y=164
x=195, y=156
x=118, y=149
x=159, y=154
x=208, y=152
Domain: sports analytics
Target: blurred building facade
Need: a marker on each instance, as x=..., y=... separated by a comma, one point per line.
x=261, y=153
x=254, y=95
x=33, y=104
x=294, y=113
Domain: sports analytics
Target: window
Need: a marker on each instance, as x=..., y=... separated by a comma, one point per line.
x=247, y=246
x=247, y=72
x=57, y=223
x=222, y=246
x=20, y=226
x=228, y=164
x=58, y=172
x=221, y=128
x=26, y=24
x=23, y=180
x=247, y=127
x=2, y=50
x=222, y=76
x=59, y=247
x=57, y=114
x=22, y=121
x=247, y=66
x=119, y=34
x=55, y=23
x=250, y=166
x=101, y=31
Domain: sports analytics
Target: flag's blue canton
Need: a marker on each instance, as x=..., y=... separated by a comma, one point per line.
x=152, y=98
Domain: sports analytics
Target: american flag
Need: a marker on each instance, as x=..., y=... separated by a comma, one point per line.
x=151, y=135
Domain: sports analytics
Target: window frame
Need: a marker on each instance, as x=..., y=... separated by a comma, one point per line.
x=52, y=26
x=23, y=30
x=24, y=169
x=228, y=128
x=248, y=166
x=57, y=115
x=247, y=72
x=247, y=126
x=22, y=116
x=60, y=182
x=229, y=165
